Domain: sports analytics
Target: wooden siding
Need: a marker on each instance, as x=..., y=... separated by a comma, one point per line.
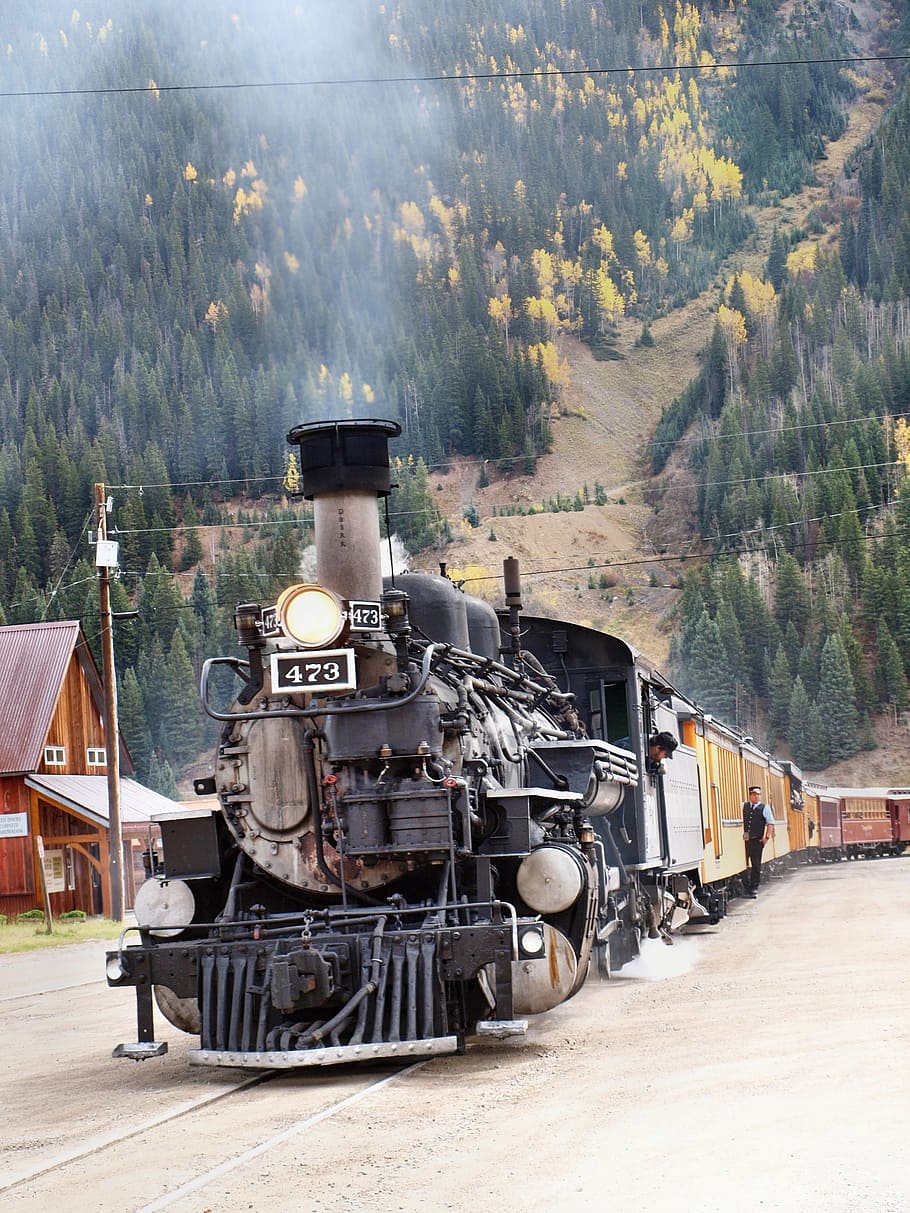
x=76, y=725
x=16, y=875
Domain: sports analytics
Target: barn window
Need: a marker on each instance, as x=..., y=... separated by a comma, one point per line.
x=96, y=756
x=55, y=755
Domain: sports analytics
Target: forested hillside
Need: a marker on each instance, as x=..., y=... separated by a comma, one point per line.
x=217, y=223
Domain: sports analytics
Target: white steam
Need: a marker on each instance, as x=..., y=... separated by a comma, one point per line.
x=657, y=961
x=395, y=560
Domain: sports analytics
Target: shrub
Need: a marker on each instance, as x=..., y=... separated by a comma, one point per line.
x=31, y=915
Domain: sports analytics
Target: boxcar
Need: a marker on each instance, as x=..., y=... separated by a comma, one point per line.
x=898, y=802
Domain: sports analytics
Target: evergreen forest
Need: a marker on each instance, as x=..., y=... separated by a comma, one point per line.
x=218, y=222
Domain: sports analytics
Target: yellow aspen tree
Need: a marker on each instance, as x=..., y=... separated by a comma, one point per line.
x=902, y=441
x=610, y=302
x=499, y=310
x=802, y=260
x=603, y=239
x=681, y=231
x=761, y=300
x=733, y=326
x=189, y=173
x=544, y=311
x=291, y=481
x=545, y=270
x=547, y=355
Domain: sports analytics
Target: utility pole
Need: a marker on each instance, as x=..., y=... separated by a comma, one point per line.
x=104, y=559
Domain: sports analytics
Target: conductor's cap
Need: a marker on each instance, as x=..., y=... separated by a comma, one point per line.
x=751, y=790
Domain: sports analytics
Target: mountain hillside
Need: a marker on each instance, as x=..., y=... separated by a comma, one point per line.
x=602, y=435
x=644, y=318
x=609, y=412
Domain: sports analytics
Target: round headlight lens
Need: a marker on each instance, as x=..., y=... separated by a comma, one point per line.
x=114, y=968
x=313, y=616
x=532, y=941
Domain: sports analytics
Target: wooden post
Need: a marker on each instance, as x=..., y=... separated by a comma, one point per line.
x=42, y=876
x=111, y=724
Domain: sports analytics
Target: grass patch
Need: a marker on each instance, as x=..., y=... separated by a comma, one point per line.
x=32, y=935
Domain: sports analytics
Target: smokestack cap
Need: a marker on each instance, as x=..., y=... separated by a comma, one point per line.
x=345, y=455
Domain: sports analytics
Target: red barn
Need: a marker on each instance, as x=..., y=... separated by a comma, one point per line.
x=53, y=777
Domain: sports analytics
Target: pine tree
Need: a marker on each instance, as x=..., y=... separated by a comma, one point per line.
x=182, y=723
x=890, y=679
x=837, y=701
x=798, y=716
x=131, y=715
x=714, y=686
x=779, y=691
x=161, y=777
x=776, y=267
x=817, y=753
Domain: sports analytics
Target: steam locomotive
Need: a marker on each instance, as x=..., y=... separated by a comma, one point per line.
x=434, y=818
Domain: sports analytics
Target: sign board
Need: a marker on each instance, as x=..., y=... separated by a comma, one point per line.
x=365, y=616
x=308, y=672
x=55, y=871
x=13, y=825
x=269, y=621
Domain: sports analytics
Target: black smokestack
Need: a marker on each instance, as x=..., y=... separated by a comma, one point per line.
x=345, y=470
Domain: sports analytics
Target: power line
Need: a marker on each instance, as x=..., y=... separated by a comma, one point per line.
x=458, y=78
x=657, y=557
x=758, y=479
x=696, y=438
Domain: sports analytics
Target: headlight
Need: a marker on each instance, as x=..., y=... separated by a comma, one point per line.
x=115, y=968
x=531, y=941
x=313, y=616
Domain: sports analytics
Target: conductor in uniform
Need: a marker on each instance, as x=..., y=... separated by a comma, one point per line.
x=758, y=829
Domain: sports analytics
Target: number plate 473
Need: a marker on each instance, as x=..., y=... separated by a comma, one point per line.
x=306, y=673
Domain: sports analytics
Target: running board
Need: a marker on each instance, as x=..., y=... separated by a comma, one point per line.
x=333, y=1055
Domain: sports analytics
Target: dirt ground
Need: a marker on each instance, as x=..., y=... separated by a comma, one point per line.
x=758, y=1066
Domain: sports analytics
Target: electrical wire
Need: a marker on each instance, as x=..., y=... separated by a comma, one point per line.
x=457, y=78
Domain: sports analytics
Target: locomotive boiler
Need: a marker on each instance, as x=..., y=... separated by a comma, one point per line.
x=414, y=839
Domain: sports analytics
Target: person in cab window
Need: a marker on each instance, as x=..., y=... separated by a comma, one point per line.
x=660, y=747
x=758, y=830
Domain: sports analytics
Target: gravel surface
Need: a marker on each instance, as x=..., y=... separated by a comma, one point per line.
x=756, y=1066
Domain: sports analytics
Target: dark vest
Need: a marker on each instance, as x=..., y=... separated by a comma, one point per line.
x=754, y=819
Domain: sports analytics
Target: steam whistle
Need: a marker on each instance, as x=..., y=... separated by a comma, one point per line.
x=511, y=576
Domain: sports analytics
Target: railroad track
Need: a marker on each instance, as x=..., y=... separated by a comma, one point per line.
x=99, y=1158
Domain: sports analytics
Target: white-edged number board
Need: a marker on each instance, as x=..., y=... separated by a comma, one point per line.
x=305, y=673
x=365, y=616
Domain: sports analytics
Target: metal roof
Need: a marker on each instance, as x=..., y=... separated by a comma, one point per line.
x=87, y=795
x=34, y=658
x=868, y=793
